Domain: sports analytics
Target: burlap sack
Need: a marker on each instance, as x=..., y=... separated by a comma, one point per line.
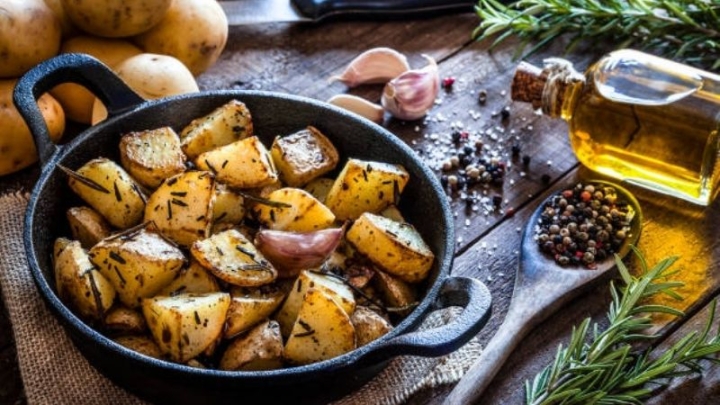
x=54, y=372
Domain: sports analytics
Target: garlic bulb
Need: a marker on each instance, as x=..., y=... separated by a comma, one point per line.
x=410, y=95
x=376, y=65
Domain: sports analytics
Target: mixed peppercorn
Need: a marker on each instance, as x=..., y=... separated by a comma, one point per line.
x=584, y=225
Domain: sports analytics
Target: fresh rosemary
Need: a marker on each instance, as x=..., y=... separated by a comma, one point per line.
x=604, y=367
x=685, y=30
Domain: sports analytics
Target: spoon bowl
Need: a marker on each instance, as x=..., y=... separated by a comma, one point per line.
x=542, y=286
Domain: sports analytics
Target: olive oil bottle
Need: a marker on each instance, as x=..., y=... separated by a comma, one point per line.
x=635, y=117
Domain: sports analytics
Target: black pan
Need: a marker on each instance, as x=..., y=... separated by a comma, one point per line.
x=423, y=202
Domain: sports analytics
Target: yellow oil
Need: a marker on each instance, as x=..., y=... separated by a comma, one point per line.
x=650, y=122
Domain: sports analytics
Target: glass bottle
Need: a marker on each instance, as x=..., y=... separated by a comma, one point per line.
x=635, y=117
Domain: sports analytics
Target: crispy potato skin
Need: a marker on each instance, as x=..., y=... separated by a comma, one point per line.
x=303, y=156
x=151, y=156
x=226, y=124
x=302, y=212
x=261, y=349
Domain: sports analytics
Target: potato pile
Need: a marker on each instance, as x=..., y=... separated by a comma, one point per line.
x=208, y=248
x=157, y=46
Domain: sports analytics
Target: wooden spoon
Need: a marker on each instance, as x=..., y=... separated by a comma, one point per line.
x=541, y=287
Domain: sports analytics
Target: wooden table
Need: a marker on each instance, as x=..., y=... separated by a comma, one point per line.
x=299, y=59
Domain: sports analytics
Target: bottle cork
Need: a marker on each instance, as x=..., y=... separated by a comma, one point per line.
x=528, y=84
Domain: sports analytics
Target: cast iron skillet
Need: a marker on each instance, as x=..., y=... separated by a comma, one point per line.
x=423, y=202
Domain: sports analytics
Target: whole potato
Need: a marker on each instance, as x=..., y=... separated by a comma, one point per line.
x=76, y=100
x=67, y=27
x=29, y=33
x=17, y=147
x=115, y=18
x=194, y=31
x=151, y=76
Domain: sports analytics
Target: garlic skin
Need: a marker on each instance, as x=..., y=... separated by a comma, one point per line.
x=291, y=252
x=376, y=65
x=358, y=105
x=411, y=95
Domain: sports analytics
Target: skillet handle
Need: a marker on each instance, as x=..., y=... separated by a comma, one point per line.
x=466, y=292
x=71, y=67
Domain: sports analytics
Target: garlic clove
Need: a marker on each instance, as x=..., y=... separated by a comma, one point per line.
x=358, y=105
x=291, y=252
x=411, y=95
x=376, y=65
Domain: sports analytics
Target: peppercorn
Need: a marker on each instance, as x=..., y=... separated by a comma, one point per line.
x=526, y=160
x=545, y=178
x=505, y=113
x=515, y=150
x=455, y=136
x=482, y=97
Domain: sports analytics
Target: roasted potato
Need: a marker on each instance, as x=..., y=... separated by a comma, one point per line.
x=396, y=247
x=229, y=206
x=194, y=279
x=226, y=124
x=186, y=325
x=115, y=18
x=29, y=34
x=151, y=156
x=181, y=207
x=319, y=187
x=141, y=344
x=122, y=320
x=231, y=257
x=303, y=156
x=364, y=186
x=295, y=210
x=87, y=226
x=249, y=306
x=395, y=292
x=322, y=330
x=368, y=325
x=138, y=264
x=110, y=190
x=245, y=163
x=260, y=349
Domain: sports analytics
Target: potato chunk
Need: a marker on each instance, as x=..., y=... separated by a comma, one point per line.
x=369, y=325
x=110, y=190
x=231, y=257
x=260, y=349
x=229, y=206
x=396, y=247
x=225, y=125
x=141, y=344
x=125, y=321
x=138, y=264
x=242, y=164
x=302, y=212
x=182, y=206
x=192, y=279
x=322, y=330
x=152, y=156
x=185, y=325
x=303, y=156
x=249, y=306
x=87, y=226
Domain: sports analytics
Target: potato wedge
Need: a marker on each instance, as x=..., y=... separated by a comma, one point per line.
x=81, y=285
x=138, y=264
x=141, y=344
x=260, y=349
x=242, y=164
x=151, y=156
x=334, y=288
x=303, y=156
x=87, y=226
x=192, y=279
x=231, y=257
x=226, y=124
x=249, y=307
x=110, y=190
x=322, y=330
x=182, y=206
x=365, y=186
x=369, y=325
x=185, y=325
x=395, y=292
x=229, y=206
x=122, y=320
x=396, y=247
x=301, y=211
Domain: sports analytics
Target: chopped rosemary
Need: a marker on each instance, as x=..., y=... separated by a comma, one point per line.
x=84, y=180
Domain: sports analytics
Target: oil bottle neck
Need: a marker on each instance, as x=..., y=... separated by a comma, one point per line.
x=551, y=89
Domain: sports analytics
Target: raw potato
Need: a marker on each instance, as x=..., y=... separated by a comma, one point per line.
x=87, y=226
x=303, y=156
x=115, y=195
x=76, y=100
x=30, y=33
x=80, y=284
x=231, y=257
x=125, y=321
x=249, y=307
x=396, y=247
x=369, y=325
x=194, y=31
x=115, y=18
x=364, y=186
x=67, y=28
x=17, y=147
x=303, y=213
x=186, y=325
x=151, y=76
x=138, y=264
x=260, y=349
x=193, y=279
x=245, y=163
x=182, y=206
x=151, y=156
x=225, y=125
x=322, y=331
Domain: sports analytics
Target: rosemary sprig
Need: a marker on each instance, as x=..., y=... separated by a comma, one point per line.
x=604, y=367
x=684, y=30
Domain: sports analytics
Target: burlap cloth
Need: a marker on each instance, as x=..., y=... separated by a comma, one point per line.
x=54, y=372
